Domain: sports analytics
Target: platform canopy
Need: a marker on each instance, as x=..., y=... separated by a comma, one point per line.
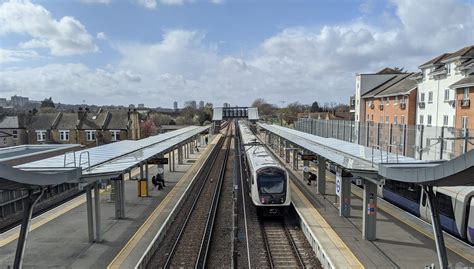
x=364, y=160
x=95, y=163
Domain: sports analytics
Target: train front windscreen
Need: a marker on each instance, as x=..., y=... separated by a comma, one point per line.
x=271, y=184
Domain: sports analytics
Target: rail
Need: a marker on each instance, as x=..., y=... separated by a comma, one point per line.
x=206, y=239
x=196, y=199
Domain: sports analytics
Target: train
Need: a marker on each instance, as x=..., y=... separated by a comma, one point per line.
x=455, y=204
x=268, y=181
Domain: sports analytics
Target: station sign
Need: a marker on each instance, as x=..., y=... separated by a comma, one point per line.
x=309, y=157
x=338, y=182
x=158, y=161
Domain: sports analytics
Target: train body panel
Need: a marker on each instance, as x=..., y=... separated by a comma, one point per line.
x=268, y=181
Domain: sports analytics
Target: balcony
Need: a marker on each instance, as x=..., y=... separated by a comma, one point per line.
x=381, y=106
x=465, y=103
x=421, y=104
x=403, y=105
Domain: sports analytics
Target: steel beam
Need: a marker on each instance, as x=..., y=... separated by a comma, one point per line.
x=90, y=213
x=437, y=230
x=29, y=204
x=98, y=230
x=321, y=175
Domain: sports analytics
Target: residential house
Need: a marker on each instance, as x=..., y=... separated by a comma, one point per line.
x=40, y=126
x=13, y=130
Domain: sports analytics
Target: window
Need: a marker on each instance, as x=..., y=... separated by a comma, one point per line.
x=428, y=120
x=64, y=135
x=395, y=119
x=421, y=119
x=446, y=95
x=40, y=135
x=395, y=100
x=464, y=122
x=387, y=119
x=116, y=134
x=381, y=119
x=15, y=134
x=430, y=97
x=448, y=69
x=387, y=99
x=90, y=135
x=402, y=119
x=382, y=101
x=445, y=120
x=466, y=94
x=422, y=97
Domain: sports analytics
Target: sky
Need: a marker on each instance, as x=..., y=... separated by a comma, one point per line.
x=159, y=51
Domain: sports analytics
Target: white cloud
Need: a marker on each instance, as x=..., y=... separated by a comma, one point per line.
x=217, y=2
x=175, y=2
x=104, y=2
x=101, y=36
x=297, y=64
x=66, y=36
x=8, y=56
x=150, y=4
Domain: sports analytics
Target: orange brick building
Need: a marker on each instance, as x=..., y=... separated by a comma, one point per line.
x=393, y=102
x=464, y=93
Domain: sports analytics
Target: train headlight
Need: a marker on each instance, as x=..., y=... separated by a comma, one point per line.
x=282, y=200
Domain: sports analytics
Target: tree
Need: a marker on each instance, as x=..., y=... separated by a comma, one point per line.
x=161, y=119
x=147, y=128
x=264, y=108
x=315, y=107
x=290, y=113
x=47, y=103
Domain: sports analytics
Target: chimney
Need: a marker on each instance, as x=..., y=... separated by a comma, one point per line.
x=81, y=113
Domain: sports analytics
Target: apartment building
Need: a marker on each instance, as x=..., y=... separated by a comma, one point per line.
x=464, y=93
x=393, y=102
x=366, y=83
x=436, y=100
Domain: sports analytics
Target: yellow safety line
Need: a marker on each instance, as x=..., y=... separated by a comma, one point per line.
x=341, y=246
x=135, y=239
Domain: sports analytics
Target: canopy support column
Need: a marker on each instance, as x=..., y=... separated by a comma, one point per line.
x=369, y=211
x=437, y=230
x=29, y=203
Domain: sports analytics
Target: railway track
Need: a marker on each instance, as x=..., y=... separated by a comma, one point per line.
x=188, y=245
x=281, y=248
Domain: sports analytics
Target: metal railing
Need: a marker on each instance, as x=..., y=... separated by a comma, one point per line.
x=416, y=141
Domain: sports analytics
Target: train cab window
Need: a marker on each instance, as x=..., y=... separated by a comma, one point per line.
x=423, y=198
x=445, y=205
x=271, y=181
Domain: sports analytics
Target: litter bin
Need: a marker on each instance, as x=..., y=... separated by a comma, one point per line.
x=142, y=188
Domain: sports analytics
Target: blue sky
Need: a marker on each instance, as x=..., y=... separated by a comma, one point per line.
x=158, y=51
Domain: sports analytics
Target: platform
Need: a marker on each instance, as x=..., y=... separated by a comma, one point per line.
x=59, y=237
x=403, y=240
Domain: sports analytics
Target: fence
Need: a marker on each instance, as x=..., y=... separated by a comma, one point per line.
x=416, y=141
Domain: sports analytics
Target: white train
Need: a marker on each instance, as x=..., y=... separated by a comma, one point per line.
x=268, y=181
x=456, y=205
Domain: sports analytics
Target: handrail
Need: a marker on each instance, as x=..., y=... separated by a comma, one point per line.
x=389, y=146
x=88, y=162
x=65, y=158
x=378, y=147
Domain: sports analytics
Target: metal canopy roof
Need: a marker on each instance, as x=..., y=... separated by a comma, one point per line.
x=22, y=151
x=116, y=158
x=354, y=157
x=348, y=155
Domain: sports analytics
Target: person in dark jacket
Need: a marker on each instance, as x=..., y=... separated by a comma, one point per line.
x=160, y=178
x=312, y=177
x=154, y=181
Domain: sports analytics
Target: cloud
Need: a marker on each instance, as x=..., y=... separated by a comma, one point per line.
x=150, y=4
x=297, y=64
x=101, y=36
x=104, y=2
x=8, y=56
x=175, y=2
x=217, y=2
x=63, y=37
